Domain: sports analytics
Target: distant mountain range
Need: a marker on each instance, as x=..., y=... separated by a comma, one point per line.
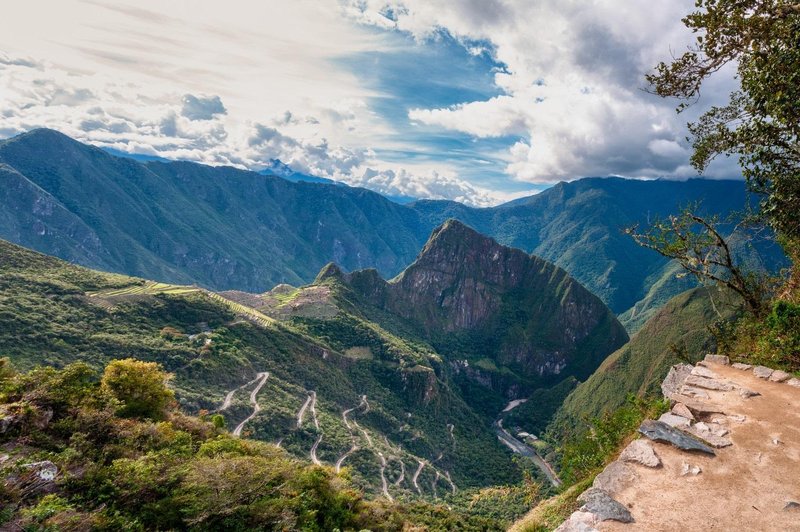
x=225, y=228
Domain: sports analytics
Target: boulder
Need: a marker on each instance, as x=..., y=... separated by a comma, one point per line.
x=700, y=371
x=641, y=452
x=708, y=384
x=674, y=379
x=601, y=504
x=717, y=359
x=615, y=477
x=682, y=410
x=762, y=372
x=674, y=421
x=660, y=431
x=779, y=376
x=743, y=367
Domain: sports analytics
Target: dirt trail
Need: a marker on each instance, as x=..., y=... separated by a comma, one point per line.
x=253, y=401
x=302, y=410
x=402, y=476
x=313, y=452
x=342, y=458
x=745, y=486
x=384, y=483
x=226, y=403
x=416, y=475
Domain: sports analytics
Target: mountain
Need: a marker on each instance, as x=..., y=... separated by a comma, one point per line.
x=679, y=329
x=278, y=168
x=342, y=375
x=188, y=223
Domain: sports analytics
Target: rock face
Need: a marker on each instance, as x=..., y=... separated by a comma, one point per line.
x=659, y=431
x=640, y=452
x=516, y=309
x=601, y=504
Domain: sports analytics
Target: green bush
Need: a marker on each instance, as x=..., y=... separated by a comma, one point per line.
x=140, y=387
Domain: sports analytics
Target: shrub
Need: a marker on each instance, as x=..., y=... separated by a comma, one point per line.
x=141, y=388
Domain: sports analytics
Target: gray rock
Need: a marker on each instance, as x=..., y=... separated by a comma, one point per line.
x=709, y=437
x=603, y=505
x=718, y=359
x=794, y=382
x=674, y=421
x=660, y=431
x=743, y=367
x=762, y=372
x=45, y=470
x=708, y=384
x=579, y=522
x=682, y=410
x=691, y=391
x=737, y=418
x=698, y=408
x=792, y=506
x=700, y=371
x=779, y=376
x=688, y=469
x=748, y=393
x=641, y=452
x=615, y=477
x=674, y=380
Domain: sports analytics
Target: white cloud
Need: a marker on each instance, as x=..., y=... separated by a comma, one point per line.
x=572, y=81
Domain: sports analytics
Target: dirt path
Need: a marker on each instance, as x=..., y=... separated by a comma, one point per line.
x=384, y=483
x=253, y=401
x=361, y=404
x=745, y=486
x=342, y=458
x=416, y=475
x=313, y=451
x=303, y=409
x=226, y=403
x=402, y=476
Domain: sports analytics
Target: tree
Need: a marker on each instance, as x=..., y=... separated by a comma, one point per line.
x=140, y=387
x=761, y=121
x=701, y=250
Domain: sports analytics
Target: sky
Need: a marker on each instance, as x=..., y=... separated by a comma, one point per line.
x=479, y=101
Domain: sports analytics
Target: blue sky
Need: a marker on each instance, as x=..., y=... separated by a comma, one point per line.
x=479, y=101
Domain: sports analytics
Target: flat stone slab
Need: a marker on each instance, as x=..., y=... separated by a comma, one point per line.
x=698, y=408
x=604, y=506
x=708, y=384
x=779, y=376
x=615, y=477
x=640, y=452
x=660, y=431
x=674, y=379
x=794, y=382
x=718, y=359
x=762, y=372
x=709, y=437
x=682, y=410
x=700, y=371
x=743, y=367
x=579, y=522
x=674, y=421
x=691, y=391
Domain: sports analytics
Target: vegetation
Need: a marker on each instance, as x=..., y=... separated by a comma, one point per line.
x=179, y=473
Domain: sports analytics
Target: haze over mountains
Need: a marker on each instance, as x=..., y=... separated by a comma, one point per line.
x=215, y=226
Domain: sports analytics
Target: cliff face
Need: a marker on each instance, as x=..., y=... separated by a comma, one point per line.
x=486, y=305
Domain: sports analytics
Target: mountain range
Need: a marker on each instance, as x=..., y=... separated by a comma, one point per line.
x=229, y=229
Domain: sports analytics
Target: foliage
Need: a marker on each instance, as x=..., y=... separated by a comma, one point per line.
x=772, y=341
x=140, y=387
x=761, y=121
x=585, y=454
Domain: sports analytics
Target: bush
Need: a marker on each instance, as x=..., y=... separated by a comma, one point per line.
x=140, y=387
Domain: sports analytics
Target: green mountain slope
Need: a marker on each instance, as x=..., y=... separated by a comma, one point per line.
x=640, y=366
x=225, y=228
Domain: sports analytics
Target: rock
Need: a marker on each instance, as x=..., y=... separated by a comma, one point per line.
x=737, y=418
x=779, y=376
x=700, y=371
x=709, y=437
x=794, y=382
x=45, y=470
x=674, y=380
x=682, y=410
x=743, y=367
x=688, y=469
x=708, y=384
x=579, y=522
x=697, y=393
x=777, y=441
x=601, y=504
x=698, y=408
x=715, y=430
x=718, y=359
x=748, y=393
x=641, y=452
x=660, y=431
x=792, y=506
x=615, y=477
x=762, y=372
x=674, y=421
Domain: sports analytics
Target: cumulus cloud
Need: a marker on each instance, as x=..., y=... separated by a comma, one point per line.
x=203, y=108
x=571, y=83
